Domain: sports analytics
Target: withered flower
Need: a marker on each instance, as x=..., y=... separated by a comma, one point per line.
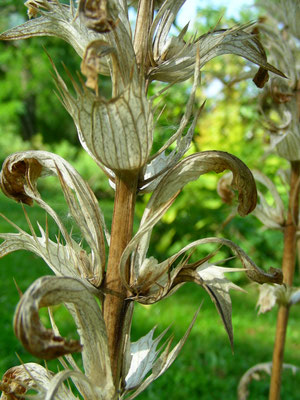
x=96, y=15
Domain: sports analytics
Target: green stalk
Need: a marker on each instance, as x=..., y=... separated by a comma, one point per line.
x=288, y=268
x=115, y=307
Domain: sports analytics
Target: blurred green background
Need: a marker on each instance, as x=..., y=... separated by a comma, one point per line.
x=31, y=117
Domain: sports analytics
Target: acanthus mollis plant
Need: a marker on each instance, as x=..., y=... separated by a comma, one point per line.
x=280, y=107
x=118, y=134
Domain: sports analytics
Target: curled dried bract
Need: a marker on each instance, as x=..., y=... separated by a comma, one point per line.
x=41, y=342
x=14, y=176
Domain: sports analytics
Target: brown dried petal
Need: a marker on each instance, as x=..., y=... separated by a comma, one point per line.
x=10, y=386
x=32, y=12
x=15, y=382
x=33, y=7
x=15, y=176
x=224, y=188
x=91, y=64
x=261, y=77
x=95, y=15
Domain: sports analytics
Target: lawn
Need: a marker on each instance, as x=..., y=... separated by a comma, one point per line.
x=206, y=368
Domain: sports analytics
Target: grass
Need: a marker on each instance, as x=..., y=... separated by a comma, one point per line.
x=205, y=369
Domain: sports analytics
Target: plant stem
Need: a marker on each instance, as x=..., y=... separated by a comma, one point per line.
x=115, y=306
x=288, y=268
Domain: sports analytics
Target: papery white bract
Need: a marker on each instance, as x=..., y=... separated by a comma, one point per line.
x=117, y=133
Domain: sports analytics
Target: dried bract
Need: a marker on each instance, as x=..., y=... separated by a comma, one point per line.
x=30, y=376
x=117, y=133
x=173, y=59
x=49, y=291
x=19, y=180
